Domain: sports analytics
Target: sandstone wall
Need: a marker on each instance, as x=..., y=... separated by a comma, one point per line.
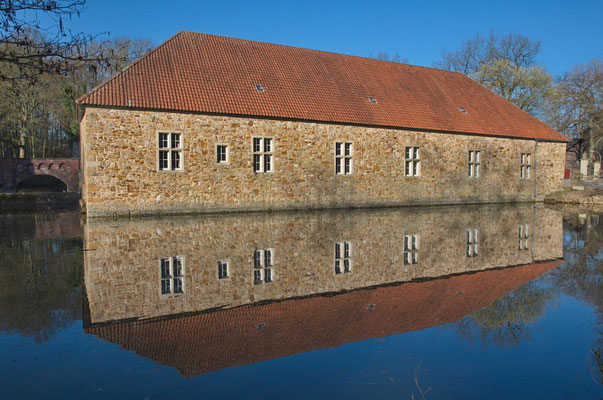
x=119, y=150
x=122, y=272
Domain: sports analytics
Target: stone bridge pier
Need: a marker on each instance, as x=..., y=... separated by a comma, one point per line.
x=15, y=171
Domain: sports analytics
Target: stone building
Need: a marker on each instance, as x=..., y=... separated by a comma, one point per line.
x=209, y=123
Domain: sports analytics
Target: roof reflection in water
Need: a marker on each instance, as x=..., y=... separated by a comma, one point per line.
x=205, y=293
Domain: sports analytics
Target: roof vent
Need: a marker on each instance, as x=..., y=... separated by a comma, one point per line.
x=461, y=109
x=259, y=88
x=373, y=100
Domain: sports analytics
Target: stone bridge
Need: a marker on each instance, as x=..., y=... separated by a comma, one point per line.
x=17, y=171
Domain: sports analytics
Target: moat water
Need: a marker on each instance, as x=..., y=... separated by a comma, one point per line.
x=484, y=302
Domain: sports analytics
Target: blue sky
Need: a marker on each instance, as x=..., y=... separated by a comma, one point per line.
x=571, y=32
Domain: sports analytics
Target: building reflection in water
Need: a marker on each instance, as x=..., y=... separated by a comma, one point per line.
x=205, y=293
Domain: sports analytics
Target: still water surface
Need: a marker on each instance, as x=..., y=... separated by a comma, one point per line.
x=418, y=303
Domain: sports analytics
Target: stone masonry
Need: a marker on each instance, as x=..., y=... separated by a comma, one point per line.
x=121, y=177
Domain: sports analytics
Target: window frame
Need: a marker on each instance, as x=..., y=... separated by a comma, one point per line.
x=524, y=237
x=472, y=245
x=170, y=150
x=341, y=258
x=412, y=163
x=474, y=164
x=526, y=166
x=171, y=278
x=263, y=272
x=411, y=247
x=261, y=154
x=226, y=265
x=226, y=154
x=344, y=162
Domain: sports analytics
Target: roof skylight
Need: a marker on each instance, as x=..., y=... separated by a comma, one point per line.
x=373, y=100
x=259, y=88
x=461, y=109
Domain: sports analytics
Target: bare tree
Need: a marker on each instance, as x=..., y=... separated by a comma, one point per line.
x=576, y=107
x=397, y=58
x=505, y=65
x=59, y=47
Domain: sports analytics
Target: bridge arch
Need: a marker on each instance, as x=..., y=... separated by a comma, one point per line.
x=40, y=183
x=18, y=174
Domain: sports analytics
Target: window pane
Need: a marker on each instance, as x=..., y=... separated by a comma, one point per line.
x=408, y=153
x=267, y=258
x=348, y=165
x=175, y=140
x=407, y=168
x=477, y=156
x=177, y=266
x=175, y=159
x=477, y=170
x=338, y=148
x=257, y=144
x=178, y=285
x=257, y=166
x=346, y=247
x=163, y=160
x=165, y=267
x=348, y=149
x=163, y=140
x=267, y=145
x=337, y=250
x=267, y=275
x=257, y=259
x=257, y=277
x=415, y=168
x=221, y=153
x=267, y=163
x=346, y=265
x=165, y=286
x=337, y=267
x=416, y=151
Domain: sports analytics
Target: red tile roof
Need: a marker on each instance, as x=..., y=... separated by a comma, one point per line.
x=208, y=342
x=214, y=74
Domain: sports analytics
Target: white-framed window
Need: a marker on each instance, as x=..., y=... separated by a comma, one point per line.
x=263, y=260
x=526, y=165
x=411, y=249
x=524, y=237
x=474, y=163
x=222, y=154
x=171, y=272
x=223, y=269
x=343, y=158
x=472, y=242
x=169, y=151
x=263, y=154
x=343, y=258
x=412, y=162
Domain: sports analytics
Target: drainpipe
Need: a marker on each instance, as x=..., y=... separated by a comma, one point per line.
x=534, y=166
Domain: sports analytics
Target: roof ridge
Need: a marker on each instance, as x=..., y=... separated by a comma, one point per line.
x=320, y=51
x=136, y=62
